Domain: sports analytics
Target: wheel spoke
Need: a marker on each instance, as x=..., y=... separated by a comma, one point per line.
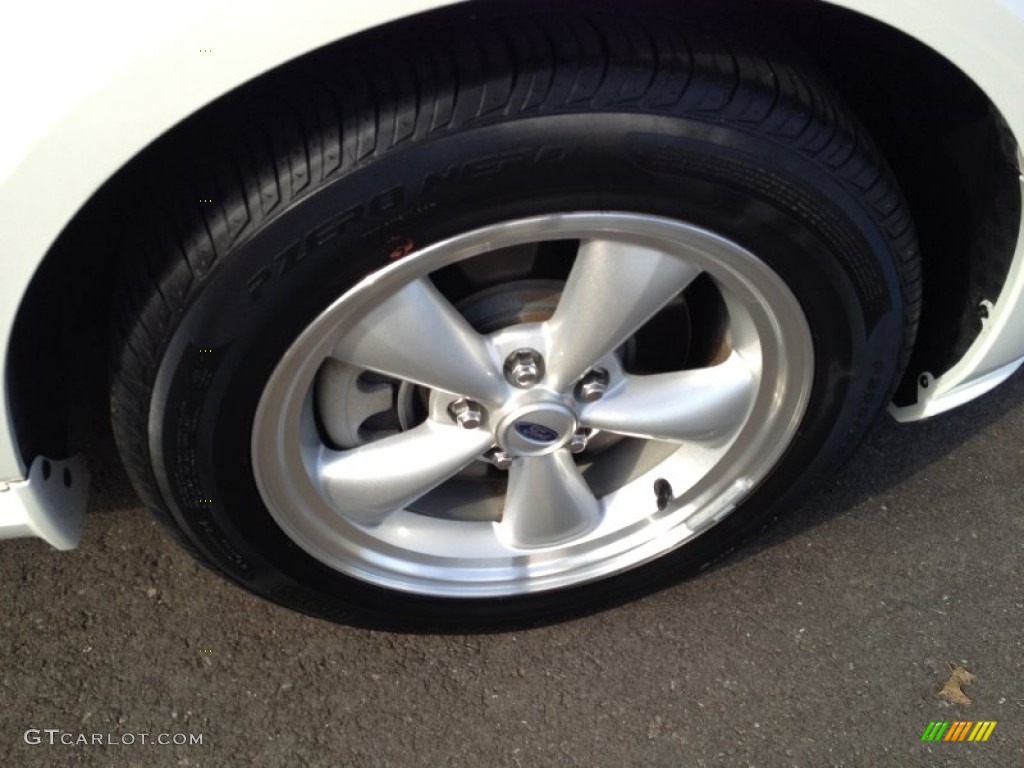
x=369, y=482
x=700, y=404
x=612, y=290
x=547, y=502
x=417, y=335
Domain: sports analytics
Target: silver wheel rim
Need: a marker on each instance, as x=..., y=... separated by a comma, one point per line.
x=691, y=443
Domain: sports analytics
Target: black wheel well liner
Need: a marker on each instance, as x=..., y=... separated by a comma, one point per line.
x=952, y=153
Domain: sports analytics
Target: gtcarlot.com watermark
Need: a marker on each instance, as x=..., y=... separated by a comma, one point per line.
x=55, y=736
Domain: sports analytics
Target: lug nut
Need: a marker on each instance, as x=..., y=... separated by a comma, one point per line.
x=499, y=458
x=524, y=368
x=578, y=444
x=467, y=413
x=592, y=386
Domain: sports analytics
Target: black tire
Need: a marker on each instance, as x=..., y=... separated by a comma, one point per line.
x=320, y=175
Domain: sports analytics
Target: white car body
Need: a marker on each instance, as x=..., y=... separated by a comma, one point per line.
x=80, y=103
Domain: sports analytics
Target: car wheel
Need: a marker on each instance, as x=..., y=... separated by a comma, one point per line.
x=562, y=311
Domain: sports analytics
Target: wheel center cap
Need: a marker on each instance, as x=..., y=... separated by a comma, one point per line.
x=536, y=429
x=535, y=432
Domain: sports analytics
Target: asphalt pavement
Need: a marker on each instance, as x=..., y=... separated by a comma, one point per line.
x=825, y=642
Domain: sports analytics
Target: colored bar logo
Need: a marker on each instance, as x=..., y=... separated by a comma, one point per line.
x=959, y=730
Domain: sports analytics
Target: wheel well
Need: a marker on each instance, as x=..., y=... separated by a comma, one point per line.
x=950, y=149
x=955, y=158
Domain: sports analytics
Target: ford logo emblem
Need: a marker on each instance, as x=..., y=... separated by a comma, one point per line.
x=536, y=432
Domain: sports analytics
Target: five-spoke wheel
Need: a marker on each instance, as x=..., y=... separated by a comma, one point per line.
x=532, y=455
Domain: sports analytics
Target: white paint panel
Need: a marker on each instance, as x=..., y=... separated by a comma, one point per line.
x=88, y=85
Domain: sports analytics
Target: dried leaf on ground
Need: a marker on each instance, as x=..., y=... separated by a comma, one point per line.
x=953, y=690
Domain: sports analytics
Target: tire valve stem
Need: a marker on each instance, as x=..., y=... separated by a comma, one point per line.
x=662, y=492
